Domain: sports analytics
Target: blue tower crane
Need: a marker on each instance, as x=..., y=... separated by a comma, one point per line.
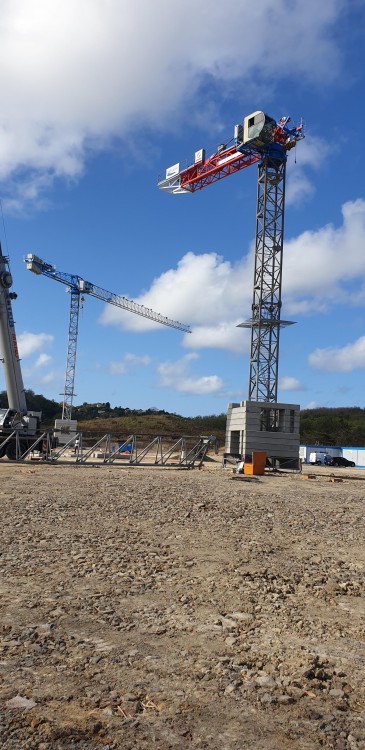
x=78, y=287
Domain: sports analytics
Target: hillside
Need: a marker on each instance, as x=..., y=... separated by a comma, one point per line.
x=325, y=426
x=151, y=425
x=338, y=426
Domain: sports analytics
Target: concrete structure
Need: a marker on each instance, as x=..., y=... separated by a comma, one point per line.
x=264, y=426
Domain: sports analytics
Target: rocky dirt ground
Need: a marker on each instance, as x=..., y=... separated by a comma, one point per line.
x=150, y=608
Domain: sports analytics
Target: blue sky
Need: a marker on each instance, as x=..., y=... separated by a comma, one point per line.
x=95, y=105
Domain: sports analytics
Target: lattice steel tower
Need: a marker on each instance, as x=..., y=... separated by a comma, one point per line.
x=265, y=323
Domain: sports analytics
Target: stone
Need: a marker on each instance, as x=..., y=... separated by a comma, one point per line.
x=265, y=680
x=20, y=702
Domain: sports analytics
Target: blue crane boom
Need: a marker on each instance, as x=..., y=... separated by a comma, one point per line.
x=78, y=287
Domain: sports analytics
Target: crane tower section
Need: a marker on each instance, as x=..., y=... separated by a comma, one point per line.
x=8, y=342
x=263, y=141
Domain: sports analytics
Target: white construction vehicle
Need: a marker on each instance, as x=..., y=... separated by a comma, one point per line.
x=18, y=426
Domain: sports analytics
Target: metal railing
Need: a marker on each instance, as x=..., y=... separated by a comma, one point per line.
x=104, y=451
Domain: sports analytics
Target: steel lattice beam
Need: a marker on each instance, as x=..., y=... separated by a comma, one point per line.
x=73, y=329
x=265, y=323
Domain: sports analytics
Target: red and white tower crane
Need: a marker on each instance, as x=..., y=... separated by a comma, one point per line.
x=259, y=140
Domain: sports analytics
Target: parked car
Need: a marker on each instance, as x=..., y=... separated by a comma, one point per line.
x=340, y=461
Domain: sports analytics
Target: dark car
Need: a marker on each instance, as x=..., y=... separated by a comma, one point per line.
x=340, y=461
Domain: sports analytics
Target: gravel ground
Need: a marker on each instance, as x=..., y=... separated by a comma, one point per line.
x=148, y=608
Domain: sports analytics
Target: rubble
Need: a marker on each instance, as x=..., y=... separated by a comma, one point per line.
x=143, y=607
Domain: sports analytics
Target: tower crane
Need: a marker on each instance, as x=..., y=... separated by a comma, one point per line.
x=78, y=287
x=263, y=141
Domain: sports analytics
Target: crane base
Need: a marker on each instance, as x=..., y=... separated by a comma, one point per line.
x=262, y=426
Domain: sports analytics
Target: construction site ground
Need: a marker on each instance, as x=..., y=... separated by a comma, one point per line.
x=161, y=608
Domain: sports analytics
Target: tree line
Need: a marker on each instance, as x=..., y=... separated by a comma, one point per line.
x=323, y=426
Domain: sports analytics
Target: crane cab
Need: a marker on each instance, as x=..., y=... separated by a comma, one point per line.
x=258, y=129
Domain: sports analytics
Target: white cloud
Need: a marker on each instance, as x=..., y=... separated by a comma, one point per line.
x=127, y=363
x=311, y=152
x=312, y=405
x=221, y=336
x=321, y=268
x=72, y=82
x=340, y=359
x=206, y=291
x=50, y=378
x=29, y=343
x=43, y=359
x=288, y=383
x=319, y=265
x=176, y=375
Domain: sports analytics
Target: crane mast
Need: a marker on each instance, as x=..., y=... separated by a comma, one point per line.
x=259, y=140
x=265, y=323
x=18, y=426
x=78, y=287
x=8, y=342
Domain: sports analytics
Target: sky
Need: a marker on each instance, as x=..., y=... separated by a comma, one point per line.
x=96, y=104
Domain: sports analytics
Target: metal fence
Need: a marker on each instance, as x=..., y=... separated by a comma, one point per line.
x=105, y=451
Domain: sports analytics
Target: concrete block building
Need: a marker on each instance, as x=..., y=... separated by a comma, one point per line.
x=263, y=426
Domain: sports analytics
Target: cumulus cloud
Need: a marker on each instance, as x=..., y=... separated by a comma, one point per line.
x=30, y=343
x=340, y=359
x=321, y=266
x=205, y=290
x=312, y=152
x=43, y=359
x=50, y=378
x=288, y=383
x=72, y=82
x=221, y=336
x=313, y=405
x=129, y=361
x=176, y=375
